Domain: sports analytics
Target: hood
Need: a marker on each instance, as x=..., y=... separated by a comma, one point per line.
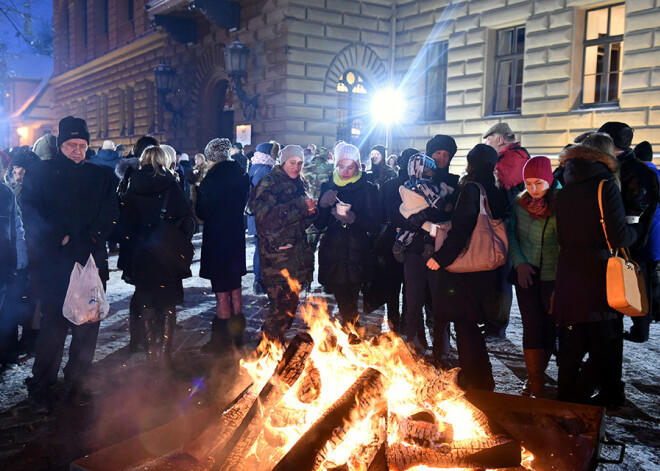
x=123, y=166
x=107, y=158
x=144, y=182
x=583, y=163
x=45, y=147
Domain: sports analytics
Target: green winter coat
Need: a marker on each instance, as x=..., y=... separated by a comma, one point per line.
x=525, y=241
x=280, y=212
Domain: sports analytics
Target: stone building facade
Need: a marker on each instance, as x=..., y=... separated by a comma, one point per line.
x=550, y=68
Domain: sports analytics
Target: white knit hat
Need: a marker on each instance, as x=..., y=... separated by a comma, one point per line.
x=108, y=145
x=345, y=151
x=291, y=151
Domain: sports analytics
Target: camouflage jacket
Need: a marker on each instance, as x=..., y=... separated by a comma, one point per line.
x=316, y=174
x=280, y=211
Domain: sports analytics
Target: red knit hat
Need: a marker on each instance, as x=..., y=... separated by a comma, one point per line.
x=538, y=167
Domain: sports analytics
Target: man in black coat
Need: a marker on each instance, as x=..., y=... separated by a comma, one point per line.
x=69, y=209
x=640, y=193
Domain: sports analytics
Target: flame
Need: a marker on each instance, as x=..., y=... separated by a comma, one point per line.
x=336, y=363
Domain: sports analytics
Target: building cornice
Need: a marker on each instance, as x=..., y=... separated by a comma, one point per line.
x=137, y=48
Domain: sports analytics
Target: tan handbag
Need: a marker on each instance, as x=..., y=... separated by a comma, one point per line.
x=626, y=290
x=488, y=247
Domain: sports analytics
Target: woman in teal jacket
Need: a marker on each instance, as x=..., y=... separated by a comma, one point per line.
x=534, y=252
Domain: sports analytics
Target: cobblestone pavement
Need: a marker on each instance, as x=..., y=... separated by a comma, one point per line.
x=128, y=399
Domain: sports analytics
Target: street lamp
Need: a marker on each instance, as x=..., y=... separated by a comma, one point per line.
x=388, y=107
x=164, y=77
x=236, y=55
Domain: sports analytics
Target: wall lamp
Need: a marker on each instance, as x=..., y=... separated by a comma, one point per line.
x=236, y=55
x=164, y=77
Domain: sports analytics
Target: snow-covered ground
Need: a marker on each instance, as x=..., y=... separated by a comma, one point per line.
x=116, y=371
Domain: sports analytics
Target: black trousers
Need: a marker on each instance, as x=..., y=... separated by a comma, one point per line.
x=538, y=325
x=347, y=301
x=473, y=356
x=497, y=327
x=49, y=347
x=642, y=324
x=603, y=341
x=417, y=279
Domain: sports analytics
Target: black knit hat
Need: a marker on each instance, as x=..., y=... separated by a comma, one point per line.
x=24, y=158
x=440, y=142
x=381, y=150
x=482, y=155
x=72, y=128
x=621, y=133
x=402, y=160
x=644, y=151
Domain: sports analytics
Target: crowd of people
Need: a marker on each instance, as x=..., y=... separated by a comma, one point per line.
x=383, y=226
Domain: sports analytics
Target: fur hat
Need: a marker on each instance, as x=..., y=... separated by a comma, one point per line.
x=72, y=128
x=441, y=142
x=345, y=151
x=482, y=155
x=499, y=128
x=217, y=150
x=644, y=151
x=621, y=133
x=590, y=154
x=539, y=167
x=291, y=151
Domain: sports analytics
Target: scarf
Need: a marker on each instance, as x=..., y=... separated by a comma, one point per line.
x=339, y=182
x=537, y=208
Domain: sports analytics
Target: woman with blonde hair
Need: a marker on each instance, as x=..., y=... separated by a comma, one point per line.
x=158, y=288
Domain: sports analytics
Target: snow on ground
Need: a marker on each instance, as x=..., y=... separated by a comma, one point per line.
x=636, y=423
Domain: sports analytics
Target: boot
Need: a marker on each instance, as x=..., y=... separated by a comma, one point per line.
x=236, y=325
x=152, y=344
x=220, y=338
x=135, y=328
x=170, y=326
x=536, y=361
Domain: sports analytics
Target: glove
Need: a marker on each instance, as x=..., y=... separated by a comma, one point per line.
x=348, y=219
x=328, y=199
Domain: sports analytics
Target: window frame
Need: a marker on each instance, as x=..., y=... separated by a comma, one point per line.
x=439, y=66
x=606, y=41
x=515, y=57
x=355, y=107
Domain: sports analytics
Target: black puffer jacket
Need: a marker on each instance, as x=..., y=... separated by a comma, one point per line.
x=639, y=190
x=345, y=252
x=141, y=206
x=580, y=294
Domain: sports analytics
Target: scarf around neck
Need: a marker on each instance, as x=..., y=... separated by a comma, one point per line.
x=339, y=182
x=537, y=208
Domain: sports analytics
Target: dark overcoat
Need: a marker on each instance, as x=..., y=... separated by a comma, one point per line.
x=469, y=297
x=60, y=198
x=580, y=293
x=345, y=255
x=221, y=198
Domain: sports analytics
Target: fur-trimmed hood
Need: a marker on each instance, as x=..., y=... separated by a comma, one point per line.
x=125, y=164
x=590, y=154
x=579, y=164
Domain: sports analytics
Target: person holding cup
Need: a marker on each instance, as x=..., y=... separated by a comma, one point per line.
x=282, y=211
x=349, y=213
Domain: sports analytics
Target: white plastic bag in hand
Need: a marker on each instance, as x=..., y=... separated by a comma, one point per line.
x=85, y=298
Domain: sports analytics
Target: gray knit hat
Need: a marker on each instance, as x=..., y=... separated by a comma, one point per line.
x=217, y=150
x=291, y=151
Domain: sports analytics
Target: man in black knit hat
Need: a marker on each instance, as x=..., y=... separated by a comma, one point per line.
x=69, y=209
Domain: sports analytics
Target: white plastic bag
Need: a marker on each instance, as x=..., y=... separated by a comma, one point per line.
x=85, y=298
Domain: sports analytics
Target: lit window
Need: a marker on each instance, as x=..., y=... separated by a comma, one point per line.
x=436, y=81
x=351, y=107
x=509, y=64
x=603, y=54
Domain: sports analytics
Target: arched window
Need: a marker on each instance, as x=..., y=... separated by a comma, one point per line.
x=352, y=107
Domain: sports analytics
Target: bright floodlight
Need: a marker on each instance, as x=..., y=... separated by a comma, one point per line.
x=388, y=106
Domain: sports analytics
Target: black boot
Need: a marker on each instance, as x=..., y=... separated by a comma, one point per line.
x=170, y=326
x=135, y=328
x=153, y=341
x=220, y=338
x=236, y=325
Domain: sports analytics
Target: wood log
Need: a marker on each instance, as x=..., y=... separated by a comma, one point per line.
x=288, y=370
x=364, y=396
x=310, y=388
x=218, y=433
x=474, y=453
x=425, y=433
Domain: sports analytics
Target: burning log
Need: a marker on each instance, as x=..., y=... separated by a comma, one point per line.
x=310, y=388
x=288, y=371
x=425, y=432
x=473, y=453
x=217, y=434
x=312, y=449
